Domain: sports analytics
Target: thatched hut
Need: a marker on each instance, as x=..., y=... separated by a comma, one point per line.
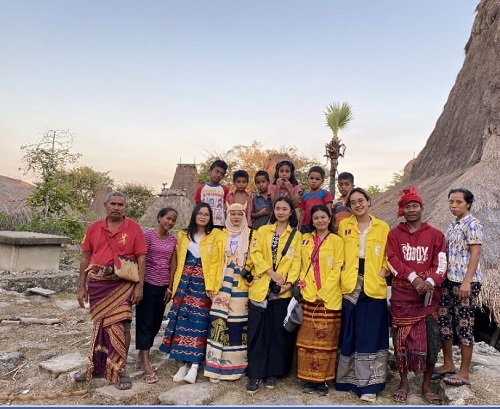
x=464, y=148
x=13, y=201
x=180, y=196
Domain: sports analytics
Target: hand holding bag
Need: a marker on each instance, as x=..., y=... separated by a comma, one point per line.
x=125, y=268
x=295, y=313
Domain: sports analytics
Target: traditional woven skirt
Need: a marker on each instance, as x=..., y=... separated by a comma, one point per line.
x=110, y=307
x=364, y=343
x=226, y=356
x=149, y=315
x=270, y=346
x=185, y=337
x=317, y=343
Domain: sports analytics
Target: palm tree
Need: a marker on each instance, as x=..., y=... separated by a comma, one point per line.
x=338, y=116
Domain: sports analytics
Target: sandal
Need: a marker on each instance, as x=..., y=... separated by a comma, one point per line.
x=437, y=375
x=454, y=380
x=432, y=398
x=400, y=395
x=124, y=383
x=151, y=378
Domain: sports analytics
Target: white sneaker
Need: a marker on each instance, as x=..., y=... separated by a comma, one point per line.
x=191, y=375
x=368, y=397
x=181, y=373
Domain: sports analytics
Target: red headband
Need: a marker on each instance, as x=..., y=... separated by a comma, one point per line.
x=409, y=195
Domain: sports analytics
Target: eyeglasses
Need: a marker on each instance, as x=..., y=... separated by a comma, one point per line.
x=360, y=201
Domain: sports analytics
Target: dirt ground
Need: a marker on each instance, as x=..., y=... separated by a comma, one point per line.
x=38, y=343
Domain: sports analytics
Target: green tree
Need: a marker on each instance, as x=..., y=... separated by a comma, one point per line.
x=83, y=183
x=338, y=116
x=397, y=177
x=255, y=157
x=46, y=159
x=373, y=190
x=139, y=198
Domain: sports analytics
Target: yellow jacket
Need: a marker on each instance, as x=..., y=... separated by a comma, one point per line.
x=260, y=252
x=331, y=260
x=212, y=258
x=375, y=259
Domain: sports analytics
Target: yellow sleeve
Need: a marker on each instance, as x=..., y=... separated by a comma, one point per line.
x=216, y=270
x=331, y=293
x=258, y=252
x=294, y=272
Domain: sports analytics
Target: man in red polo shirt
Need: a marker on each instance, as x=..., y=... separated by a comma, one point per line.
x=109, y=296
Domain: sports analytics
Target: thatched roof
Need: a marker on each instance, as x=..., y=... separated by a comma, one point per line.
x=169, y=198
x=13, y=195
x=464, y=149
x=186, y=179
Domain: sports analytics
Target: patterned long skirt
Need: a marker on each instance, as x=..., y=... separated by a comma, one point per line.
x=226, y=356
x=185, y=337
x=364, y=343
x=317, y=343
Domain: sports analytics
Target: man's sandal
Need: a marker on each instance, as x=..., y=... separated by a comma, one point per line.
x=124, y=383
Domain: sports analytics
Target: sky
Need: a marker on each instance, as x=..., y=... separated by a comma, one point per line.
x=144, y=85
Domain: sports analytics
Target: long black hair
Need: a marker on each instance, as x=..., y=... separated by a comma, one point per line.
x=293, y=179
x=292, y=220
x=191, y=228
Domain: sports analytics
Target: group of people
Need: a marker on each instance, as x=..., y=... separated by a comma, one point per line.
x=230, y=273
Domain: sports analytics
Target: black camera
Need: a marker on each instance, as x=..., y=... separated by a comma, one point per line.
x=274, y=287
x=247, y=275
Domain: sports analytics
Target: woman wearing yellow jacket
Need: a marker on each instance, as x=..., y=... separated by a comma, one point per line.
x=364, y=335
x=200, y=255
x=318, y=336
x=276, y=267
x=226, y=357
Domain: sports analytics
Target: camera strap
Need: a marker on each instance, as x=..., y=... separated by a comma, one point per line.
x=285, y=249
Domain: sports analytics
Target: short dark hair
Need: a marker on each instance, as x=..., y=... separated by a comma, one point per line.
x=218, y=163
x=357, y=190
x=468, y=196
x=321, y=207
x=262, y=173
x=164, y=211
x=292, y=220
x=241, y=174
x=346, y=176
x=317, y=169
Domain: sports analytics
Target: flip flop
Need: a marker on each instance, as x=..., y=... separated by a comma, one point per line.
x=455, y=380
x=436, y=375
x=400, y=395
x=432, y=398
x=124, y=383
x=151, y=378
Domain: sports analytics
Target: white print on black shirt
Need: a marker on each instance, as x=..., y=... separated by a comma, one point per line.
x=420, y=254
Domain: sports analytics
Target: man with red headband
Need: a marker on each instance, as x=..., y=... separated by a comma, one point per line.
x=417, y=259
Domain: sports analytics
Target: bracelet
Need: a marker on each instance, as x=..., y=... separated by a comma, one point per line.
x=169, y=290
